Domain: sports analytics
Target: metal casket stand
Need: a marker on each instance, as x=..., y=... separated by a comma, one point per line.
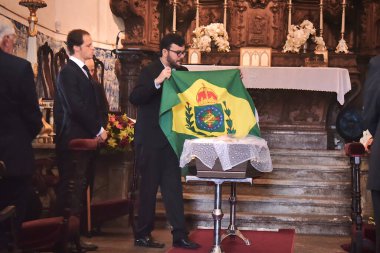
x=218, y=177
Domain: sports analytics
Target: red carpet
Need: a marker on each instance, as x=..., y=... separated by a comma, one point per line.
x=261, y=242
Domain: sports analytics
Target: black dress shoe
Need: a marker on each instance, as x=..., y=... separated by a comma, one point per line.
x=87, y=246
x=185, y=244
x=148, y=242
x=82, y=247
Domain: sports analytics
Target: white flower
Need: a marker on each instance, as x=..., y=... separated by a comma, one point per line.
x=298, y=35
x=320, y=43
x=204, y=35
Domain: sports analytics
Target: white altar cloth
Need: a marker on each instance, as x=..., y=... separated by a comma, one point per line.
x=231, y=151
x=297, y=78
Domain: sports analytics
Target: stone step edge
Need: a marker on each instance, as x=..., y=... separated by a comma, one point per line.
x=280, y=199
x=307, y=152
x=291, y=218
x=284, y=182
x=308, y=167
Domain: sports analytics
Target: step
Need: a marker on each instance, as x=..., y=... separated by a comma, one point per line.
x=314, y=172
x=268, y=204
x=303, y=224
x=298, y=188
x=309, y=190
x=325, y=157
x=267, y=187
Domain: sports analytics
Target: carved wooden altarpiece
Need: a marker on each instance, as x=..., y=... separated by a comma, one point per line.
x=253, y=23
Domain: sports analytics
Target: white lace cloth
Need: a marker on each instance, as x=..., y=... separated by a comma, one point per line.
x=230, y=151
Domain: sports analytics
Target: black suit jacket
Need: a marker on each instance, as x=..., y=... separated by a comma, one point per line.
x=371, y=115
x=147, y=97
x=20, y=113
x=76, y=113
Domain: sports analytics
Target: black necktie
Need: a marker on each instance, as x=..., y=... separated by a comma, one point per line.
x=87, y=71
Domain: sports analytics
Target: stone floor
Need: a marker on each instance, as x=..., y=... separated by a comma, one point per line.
x=121, y=241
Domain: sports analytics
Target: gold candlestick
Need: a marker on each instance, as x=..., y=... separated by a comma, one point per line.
x=33, y=6
x=225, y=14
x=321, y=18
x=197, y=15
x=342, y=45
x=289, y=14
x=174, y=16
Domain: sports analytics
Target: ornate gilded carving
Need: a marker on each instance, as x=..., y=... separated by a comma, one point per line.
x=185, y=15
x=132, y=12
x=258, y=3
x=212, y=14
x=252, y=23
x=258, y=30
x=155, y=32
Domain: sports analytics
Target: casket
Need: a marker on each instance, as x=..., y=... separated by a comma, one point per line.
x=226, y=157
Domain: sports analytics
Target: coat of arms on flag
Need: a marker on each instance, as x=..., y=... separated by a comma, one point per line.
x=206, y=104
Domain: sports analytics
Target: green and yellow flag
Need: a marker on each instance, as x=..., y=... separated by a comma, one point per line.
x=203, y=104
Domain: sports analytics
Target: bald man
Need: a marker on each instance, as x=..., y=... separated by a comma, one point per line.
x=21, y=122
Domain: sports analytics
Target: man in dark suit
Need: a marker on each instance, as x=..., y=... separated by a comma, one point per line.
x=371, y=115
x=156, y=160
x=21, y=122
x=76, y=116
x=100, y=93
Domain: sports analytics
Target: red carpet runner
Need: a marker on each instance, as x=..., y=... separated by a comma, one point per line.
x=261, y=242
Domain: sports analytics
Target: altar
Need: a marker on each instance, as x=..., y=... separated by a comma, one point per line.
x=295, y=104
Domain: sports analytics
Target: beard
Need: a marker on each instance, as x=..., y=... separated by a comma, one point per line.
x=173, y=63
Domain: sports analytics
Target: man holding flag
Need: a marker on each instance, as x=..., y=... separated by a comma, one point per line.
x=156, y=160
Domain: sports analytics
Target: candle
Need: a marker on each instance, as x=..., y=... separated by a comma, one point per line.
x=321, y=17
x=343, y=20
x=225, y=14
x=344, y=2
x=174, y=15
x=289, y=15
x=197, y=15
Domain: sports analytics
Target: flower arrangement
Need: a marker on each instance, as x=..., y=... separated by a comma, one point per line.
x=298, y=35
x=204, y=35
x=120, y=130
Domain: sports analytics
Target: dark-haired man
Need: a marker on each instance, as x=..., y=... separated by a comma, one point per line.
x=76, y=116
x=371, y=102
x=156, y=160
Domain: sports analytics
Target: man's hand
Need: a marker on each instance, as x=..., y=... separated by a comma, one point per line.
x=102, y=137
x=165, y=74
x=368, y=145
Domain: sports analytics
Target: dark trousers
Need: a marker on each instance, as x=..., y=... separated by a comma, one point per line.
x=14, y=191
x=159, y=168
x=376, y=208
x=73, y=166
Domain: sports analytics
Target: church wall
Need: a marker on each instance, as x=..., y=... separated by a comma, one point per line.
x=96, y=20
x=61, y=16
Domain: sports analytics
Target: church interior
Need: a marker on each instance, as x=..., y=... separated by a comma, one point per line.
x=304, y=64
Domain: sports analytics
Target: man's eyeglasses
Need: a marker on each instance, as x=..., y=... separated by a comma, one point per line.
x=179, y=53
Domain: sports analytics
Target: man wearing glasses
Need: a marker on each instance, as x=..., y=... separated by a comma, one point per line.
x=156, y=160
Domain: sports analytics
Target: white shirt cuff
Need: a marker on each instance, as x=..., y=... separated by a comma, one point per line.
x=101, y=131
